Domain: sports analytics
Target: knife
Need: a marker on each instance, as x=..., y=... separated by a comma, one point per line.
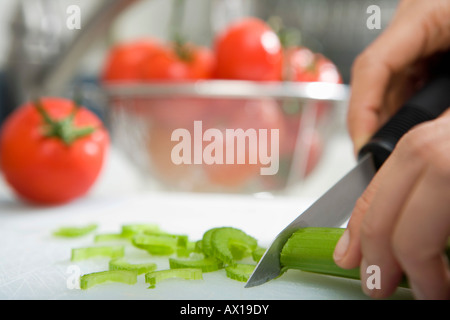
x=334, y=207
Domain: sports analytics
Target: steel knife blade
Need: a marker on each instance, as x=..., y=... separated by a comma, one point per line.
x=331, y=210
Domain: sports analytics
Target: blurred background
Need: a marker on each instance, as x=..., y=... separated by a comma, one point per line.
x=39, y=53
x=32, y=32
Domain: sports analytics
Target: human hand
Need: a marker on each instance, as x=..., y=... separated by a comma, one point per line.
x=401, y=223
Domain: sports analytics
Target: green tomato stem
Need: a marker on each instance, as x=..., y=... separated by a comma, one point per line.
x=64, y=129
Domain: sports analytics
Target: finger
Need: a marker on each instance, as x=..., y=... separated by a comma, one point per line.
x=420, y=249
x=371, y=225
x=402, y=86
x=421, y=235
x=410, y=156
x=348, y=250
x=401, y=45
x=370, y=79
x=403, y=174
x=347, y=253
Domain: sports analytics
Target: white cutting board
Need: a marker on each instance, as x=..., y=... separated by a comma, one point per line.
x=35, y=265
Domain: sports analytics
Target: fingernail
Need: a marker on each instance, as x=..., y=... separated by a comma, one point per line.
x=371, y=280
x=341, y=246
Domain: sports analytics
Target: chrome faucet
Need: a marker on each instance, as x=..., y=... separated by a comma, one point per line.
x=42, y=60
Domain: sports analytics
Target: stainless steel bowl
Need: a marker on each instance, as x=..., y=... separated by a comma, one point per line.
x=146, y=121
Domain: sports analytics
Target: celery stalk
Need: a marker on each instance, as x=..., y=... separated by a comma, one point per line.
x=311, y=249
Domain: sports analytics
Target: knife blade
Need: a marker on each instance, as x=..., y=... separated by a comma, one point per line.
x=334, y=207
x=341, y=196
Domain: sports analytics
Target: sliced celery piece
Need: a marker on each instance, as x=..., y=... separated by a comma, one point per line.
x=221, y=239
x=205, y=243
x=239, y=250
x=162, y=243
x=105, y=237
x=140, y=268
x=258, y=253
x=206, y=264
x=199, y=246
x=129, y=230
x=97, y=251
x=91, y=279
x=185, y=251
x=182, y=239
x=154, y=277
x=240, y=271
x=75, y=231
x=156, y=245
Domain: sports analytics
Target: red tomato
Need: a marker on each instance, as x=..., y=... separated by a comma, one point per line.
x=305, y=66
x=315, y=152
x=220, y=114
x=312, y=146
x=124, y=62
x=328, y=72
x=248, y=50
x=174, y=63
x=179, y=63
x=45, y=170
x=242, y=114
x=293, y=123
x=160, y=148
x=311, y=141
x=177, y=112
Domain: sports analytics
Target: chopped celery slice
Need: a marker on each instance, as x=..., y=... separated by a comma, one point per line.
x=199, y=246
x=258, y=253
x=75, y=231
x=220, y=241
x=105, y=237
x=156, y=245
x=91, y=279
x=205, y=244
x=238, y=250
x=182, y=239
x=129, y=230
x=185, y=251
x=206, y=264
x=154, y=277
x=122, y=264
x=162, y=243
x=240, y=271
x=100, y=251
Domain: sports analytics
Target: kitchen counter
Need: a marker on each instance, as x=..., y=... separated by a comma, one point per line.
x=35, y=265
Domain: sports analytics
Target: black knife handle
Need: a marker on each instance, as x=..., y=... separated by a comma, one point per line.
x=427, y=104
